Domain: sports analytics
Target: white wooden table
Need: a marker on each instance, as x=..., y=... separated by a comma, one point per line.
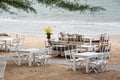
x=88, y=47
x=30, y=53
x=60, y=45
x=86, y=56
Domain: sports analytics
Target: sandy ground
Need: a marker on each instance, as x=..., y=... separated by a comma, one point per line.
x=57, y=71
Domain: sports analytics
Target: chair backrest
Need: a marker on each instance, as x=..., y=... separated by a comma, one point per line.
x=72, y=46
x=16, y=44
x=21, y=43
x=21, y=39
x=68, y=55
x=104, y=38
x=79, y=37
x=74, y=51
x=2, y=66
x=104, y=47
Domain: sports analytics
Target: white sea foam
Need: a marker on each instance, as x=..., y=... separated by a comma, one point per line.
x=32, y=26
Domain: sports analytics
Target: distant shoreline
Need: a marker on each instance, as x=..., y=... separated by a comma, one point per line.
x=33, y=26
x=62, y=18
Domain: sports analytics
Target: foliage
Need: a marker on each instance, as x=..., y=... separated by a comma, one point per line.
x=71, y=6
x=24, y=5
x=48, y=30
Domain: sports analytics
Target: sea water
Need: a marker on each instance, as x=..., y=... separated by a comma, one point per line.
x=64, y=21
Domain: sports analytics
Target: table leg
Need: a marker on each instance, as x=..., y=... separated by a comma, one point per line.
x=45, y=58
x=30, y=59
x=87, y=65
x=5, y=46
x=81, y=49
x=87, y=49
x=74, y=62
x=90, y=41
x=19, y=60
x=94, y=48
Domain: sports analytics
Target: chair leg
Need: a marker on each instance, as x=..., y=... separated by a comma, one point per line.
x=80, y=64
x=107, y=67
x=96, y=68
x=40, y=62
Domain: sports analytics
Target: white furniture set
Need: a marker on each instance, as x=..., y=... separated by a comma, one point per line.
x=96, y=61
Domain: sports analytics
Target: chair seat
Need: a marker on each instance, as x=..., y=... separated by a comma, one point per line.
x=41, y=59
x=15, y=58
x=103, y=61
x=97, y=62
x=43, y=56
x=79, y=59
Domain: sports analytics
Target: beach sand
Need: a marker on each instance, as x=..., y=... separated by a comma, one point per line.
x=59, y=71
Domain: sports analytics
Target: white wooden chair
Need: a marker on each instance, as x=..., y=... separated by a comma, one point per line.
x=106, y=49
x=15, y=45
x=42, y=58
x=104, y=38
x=81, y=60
x=2, y=66
x=96, y=64
x=69, y=59
x=101, y=63
x=2, y=44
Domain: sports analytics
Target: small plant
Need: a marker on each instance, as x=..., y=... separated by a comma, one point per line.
x=48, y=30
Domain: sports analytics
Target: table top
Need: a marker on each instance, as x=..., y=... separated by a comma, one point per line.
x=33, y=50
x=88, y=37
x=70, y=37
x=91, y=37
x=88, y=54
x=88, y=46
x=6, y=39
x=60, y=45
